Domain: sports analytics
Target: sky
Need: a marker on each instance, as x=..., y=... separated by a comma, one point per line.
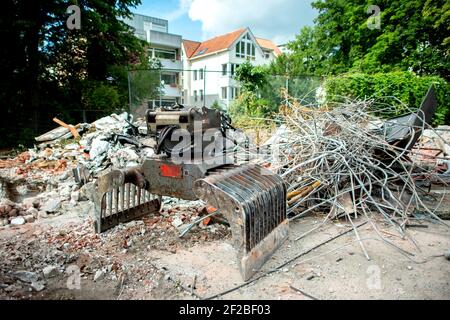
x=277, y=20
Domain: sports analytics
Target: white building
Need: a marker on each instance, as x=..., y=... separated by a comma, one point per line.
x=209, y=66
x=166, y=47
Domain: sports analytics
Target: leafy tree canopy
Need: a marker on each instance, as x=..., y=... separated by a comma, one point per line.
x=413, y=35
x=48, y=69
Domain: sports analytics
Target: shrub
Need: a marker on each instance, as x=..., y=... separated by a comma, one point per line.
x=407, y=87
x=249, y=104
x=101, y=97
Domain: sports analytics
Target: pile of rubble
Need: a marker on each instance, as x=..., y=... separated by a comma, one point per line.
x=53, y=177
x=112, y=140
x=347, y=162
x=57, y=175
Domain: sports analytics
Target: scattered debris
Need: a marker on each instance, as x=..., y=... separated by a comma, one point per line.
x=347, y=162
x=303, y=292
x=447, y=255
x=17, y=221
x=50, y=271
x=26, y=276
x=38, y=286
x=338, y=162
x=99, y=275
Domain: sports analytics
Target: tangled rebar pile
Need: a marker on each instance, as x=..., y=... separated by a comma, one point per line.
x=339, y=161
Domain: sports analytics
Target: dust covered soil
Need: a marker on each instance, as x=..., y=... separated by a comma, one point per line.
x=61, y=257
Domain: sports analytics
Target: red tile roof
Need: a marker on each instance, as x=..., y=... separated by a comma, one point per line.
x=190, y=47
x=267, y=44
x=216, y=44
x=195, y=49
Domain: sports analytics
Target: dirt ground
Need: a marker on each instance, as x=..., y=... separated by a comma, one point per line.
x=147, y=260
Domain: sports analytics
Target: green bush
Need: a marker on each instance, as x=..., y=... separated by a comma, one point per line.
x=249, y=104
x=407, y=87
x=99, y=96
x=217, y=106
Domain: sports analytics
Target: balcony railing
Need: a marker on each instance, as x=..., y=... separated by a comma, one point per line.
x=171, y=64
x=171, y=90
x=163, y=39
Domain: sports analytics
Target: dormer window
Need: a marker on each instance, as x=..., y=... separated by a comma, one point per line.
x=245, y=48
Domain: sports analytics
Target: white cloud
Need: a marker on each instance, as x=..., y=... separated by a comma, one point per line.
x=183, y=8
x=278, y=20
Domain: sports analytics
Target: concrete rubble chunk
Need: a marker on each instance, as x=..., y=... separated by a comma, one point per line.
x=50, y=271
x=42, y=214
x=37, y=286
x=99, y=275
x=177, y=222
x=51, y=205
x=134, y=223
x=75, y=196
x=32, y=202
x=32, y=211
x=26, y=276
x=65, y=191
x=98, y=147
x=17, y=221
x=7, y=202
x=29, y=218
x=86, y=191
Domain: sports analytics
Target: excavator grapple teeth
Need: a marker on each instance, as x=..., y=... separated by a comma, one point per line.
x=253, y=200
x=117, y=201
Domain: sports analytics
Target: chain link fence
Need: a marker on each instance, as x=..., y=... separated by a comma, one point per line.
x=150, y=89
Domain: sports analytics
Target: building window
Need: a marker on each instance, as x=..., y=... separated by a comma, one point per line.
x=195, y=95
x=233, y=67
x=224, y=69
x=224, y=92
x=165, y=54
x=195, y=74
x=246, y=48
x=169, y=79
x=234, y=92
x=201, y=95
x=201, y=74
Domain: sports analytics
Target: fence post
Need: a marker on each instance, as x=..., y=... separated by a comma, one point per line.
x=160, y=91
x=204, y=87
x=129, y=92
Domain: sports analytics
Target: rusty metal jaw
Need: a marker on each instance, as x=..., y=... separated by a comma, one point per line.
x=251, y=262
x=120, y=196
x=253, y=201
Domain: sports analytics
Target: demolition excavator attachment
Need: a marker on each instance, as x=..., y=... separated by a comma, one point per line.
x=252, y=198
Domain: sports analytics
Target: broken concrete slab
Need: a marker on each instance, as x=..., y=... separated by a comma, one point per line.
x=38, y=286
x=50, y=271
x=25, y=276
x=17, y=221
x=51, y=205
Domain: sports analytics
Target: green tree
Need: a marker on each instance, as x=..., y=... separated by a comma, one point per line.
x=413, y=35
x=46, y=67
x=251, y=78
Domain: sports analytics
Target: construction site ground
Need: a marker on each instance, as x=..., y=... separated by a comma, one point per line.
x=147, y=260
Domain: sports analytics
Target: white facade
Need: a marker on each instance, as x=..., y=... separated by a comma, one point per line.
x=165, y=47
x=202, y=88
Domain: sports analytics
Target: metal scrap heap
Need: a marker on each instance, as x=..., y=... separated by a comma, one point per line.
x=347, y=162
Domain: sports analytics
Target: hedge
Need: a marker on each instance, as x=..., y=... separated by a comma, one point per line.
x=405, y=86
